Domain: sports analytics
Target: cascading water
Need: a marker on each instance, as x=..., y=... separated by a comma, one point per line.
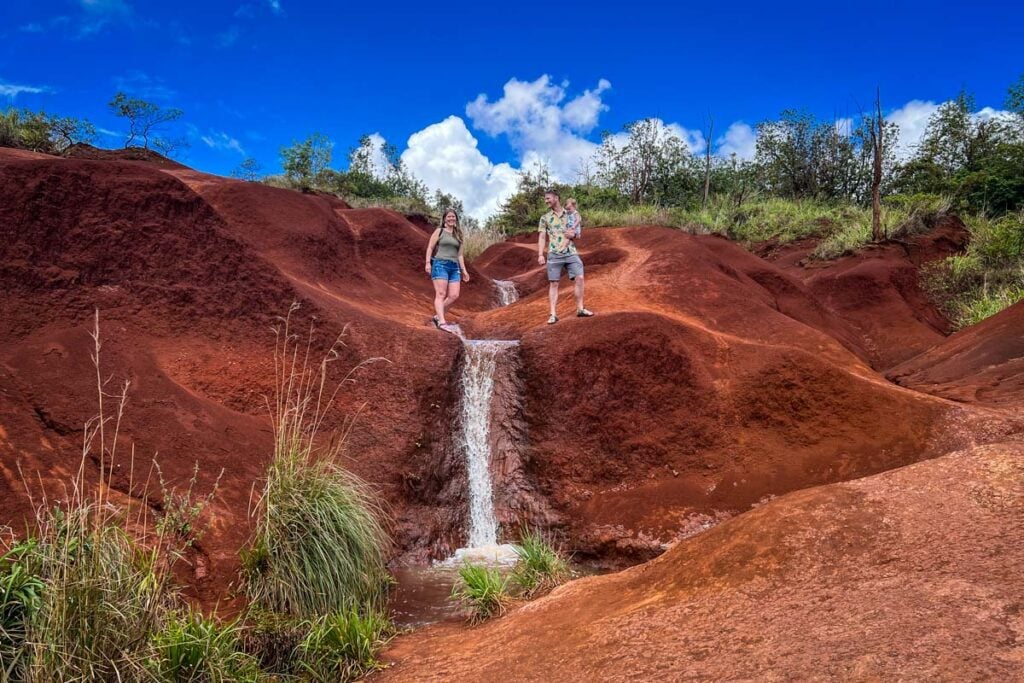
x=481, y=359
x=507, y=293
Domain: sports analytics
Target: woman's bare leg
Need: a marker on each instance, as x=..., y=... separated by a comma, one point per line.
x=453, y=293
x=440, y=293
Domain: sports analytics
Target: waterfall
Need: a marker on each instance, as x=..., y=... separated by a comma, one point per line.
x=480, y=362
x=507, y=293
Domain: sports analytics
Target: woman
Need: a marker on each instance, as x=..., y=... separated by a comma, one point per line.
x=445, y=265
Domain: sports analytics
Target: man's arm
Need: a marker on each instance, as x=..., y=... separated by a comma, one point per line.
x=541, y=234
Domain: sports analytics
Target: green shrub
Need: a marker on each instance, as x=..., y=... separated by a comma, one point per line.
x=483, y=590
x=102, y=597
x=987, y=303
x=20, y=598
x=343, y=646
x=320, y=543
x=987, y=278
x=540, y=566
x=190, y=648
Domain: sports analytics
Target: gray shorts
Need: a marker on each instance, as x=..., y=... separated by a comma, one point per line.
x=571, y=262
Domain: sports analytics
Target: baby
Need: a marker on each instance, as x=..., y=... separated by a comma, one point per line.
x=573, y=220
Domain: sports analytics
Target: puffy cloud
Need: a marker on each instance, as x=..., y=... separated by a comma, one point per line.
x=739, y=139
x=378, y=161
x=540, y=124
x=444, y=155
x=12, y=90
x=912, y=119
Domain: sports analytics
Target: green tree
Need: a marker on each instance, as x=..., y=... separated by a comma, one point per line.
x=66, y=131
x=1015, y=98
x=305, y=162
x=145, y=121
x=642, y=162
x=250, y=169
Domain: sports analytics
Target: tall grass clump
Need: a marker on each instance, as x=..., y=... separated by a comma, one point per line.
x=988, y=277
x=540, y=566
x=343, y=646
x=320, y=542
x=483, y=590
x=97, y=594
x=190, y=648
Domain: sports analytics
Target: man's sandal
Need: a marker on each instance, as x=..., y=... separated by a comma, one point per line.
x=436, y=322
x=584, y=313
x=552, y=320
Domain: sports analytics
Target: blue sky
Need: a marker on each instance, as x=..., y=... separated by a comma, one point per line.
x=253, y=75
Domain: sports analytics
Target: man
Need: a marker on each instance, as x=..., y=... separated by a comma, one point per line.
x=561, y=254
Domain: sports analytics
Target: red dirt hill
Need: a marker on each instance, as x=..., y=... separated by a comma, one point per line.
x=982, y=364
x=908, y=575
x=709, y=380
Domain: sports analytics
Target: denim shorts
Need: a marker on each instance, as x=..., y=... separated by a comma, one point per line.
x=443, y=269
x=559, y=262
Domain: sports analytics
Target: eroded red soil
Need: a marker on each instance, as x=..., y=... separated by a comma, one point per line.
x=711, y=381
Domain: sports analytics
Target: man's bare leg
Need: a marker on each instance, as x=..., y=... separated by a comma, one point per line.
x=579, y=293
x=553, y=296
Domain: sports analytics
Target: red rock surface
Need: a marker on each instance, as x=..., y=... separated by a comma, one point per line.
x=710, y=380
x=981, y=364
x=913, y=574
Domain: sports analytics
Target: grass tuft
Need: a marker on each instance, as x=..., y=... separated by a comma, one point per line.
x=320, y=542
x=483, y=590
x=540, y=567
x=343, y=646
x=190, y=648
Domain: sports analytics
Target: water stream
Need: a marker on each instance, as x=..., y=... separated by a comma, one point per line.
x=507, y=293
x=479, y=364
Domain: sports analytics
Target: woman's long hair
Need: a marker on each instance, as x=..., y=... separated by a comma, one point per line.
x=457, y=230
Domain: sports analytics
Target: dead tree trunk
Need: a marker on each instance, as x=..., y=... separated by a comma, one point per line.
x=877, y=143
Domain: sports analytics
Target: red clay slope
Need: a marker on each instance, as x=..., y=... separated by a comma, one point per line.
x=981, y=364
x=708, y=380
x=876, y=291
x=913, y=574
x=189, y=278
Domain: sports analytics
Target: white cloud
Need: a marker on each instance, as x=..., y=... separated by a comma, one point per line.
x=379, y=164
x=539, y=126
x=844, y=126
x=12, y=90
x=912, y=119
x=739, y=139
x=444, y=155
x=218, y=140
x=275, y=6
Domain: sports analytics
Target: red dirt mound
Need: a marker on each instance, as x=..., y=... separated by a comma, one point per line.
x=82, y=150
x=980, y=364
x=708, y=380
x=189, y=272
x=876, y=290
x=910, y=574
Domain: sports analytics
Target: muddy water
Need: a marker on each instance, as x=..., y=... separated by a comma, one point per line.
x=421, y=596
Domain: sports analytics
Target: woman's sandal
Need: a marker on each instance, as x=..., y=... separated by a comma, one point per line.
x=584, y=313
x=552, y=320
x=434, y=320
